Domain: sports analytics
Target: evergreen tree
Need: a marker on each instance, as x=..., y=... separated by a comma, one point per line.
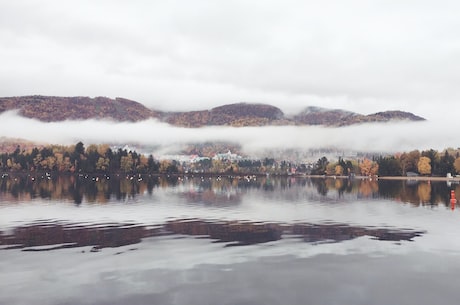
x=389, y=166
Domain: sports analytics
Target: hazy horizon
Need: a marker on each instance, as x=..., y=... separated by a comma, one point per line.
x=357, y=55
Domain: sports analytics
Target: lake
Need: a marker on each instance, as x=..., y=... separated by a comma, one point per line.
x=227, y=240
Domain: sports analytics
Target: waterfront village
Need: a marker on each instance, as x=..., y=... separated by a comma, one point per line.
x=230, y=162
x=124, y=159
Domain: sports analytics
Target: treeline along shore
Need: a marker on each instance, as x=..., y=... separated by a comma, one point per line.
x=102, y=159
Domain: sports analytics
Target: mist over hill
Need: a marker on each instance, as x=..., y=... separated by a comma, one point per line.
x=250, y=129
x=56, y=109
x=164, y=138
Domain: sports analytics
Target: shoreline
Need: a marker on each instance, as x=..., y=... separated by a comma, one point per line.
x=420, y=178
x=416, y=178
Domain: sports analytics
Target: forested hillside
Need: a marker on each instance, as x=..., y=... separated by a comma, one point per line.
x=53, y=109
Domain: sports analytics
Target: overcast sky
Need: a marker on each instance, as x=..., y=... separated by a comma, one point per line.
x=364, y=56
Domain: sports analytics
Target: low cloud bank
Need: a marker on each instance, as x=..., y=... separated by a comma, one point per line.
x=382, y=137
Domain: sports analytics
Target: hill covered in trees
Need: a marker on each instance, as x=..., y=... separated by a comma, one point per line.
x=54, y=109
x=338, y=117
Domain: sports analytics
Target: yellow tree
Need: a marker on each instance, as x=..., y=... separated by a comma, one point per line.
x=330, y=169
x=409, y=161
x=143, y=162
x=424, y=166
x=102, y=149
x=338, y=170
x=126, y=163
x=164, y=165
x=457, y=165
x=62, y=163
x=38, y=161
x=368, y=167
x=49, y=163
x=91, y=148
x=13, y=165
x=218, y=166
x=103, y=164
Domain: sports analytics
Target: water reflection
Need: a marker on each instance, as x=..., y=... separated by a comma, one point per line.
x=226, y=190
x=158, y=237
x=418, y=192
x=52, y=235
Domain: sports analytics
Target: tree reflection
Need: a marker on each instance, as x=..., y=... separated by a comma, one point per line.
x=321, y=187
x=219, y=189
x=424, y=192
x=48, y=235
x=368, y=188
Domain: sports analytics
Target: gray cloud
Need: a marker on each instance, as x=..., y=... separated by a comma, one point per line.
x=358, y=55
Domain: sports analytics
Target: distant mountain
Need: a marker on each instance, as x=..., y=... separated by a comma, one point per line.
x=394, y=115
x=323, y=116
x=52, y=109
x=241, y=114
x=338, y=117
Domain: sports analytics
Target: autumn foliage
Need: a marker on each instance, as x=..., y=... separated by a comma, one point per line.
x=428, y=163
x=77, y=159
x=55, y=108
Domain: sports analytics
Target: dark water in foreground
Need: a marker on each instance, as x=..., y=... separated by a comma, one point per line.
x=225, y=240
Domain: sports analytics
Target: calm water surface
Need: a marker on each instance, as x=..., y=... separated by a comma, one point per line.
x=227, y=240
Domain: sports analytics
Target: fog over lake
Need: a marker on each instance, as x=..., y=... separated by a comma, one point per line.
x=376, y=137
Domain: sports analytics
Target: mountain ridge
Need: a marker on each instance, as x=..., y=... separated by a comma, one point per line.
x=55, y=109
